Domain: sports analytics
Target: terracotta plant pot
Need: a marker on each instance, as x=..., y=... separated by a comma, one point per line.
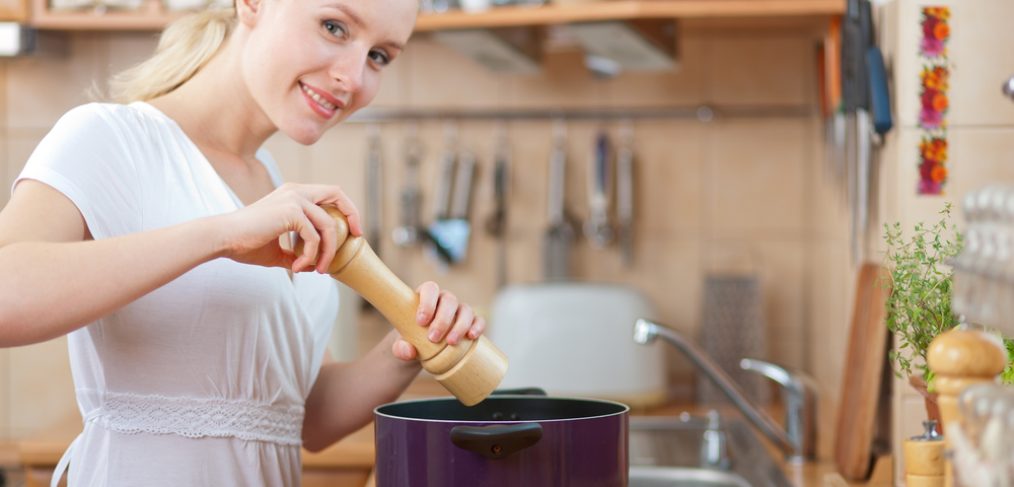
x=930, y=399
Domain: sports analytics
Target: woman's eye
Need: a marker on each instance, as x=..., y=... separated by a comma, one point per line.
x=335, y=28
x=380, y=57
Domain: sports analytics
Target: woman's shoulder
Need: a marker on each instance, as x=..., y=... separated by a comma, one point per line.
x=111, y=122
x=108, y=114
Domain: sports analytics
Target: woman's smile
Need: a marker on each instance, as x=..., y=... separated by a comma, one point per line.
x=321, y=103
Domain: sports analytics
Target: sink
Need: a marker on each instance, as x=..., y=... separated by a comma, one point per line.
x=666, y=451
x=683, y=477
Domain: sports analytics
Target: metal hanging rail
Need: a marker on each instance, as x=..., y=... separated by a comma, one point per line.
x=702, y=113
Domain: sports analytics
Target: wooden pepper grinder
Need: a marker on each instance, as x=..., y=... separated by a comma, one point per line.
x=960, y=358
x=470, y=370
x=924, y=458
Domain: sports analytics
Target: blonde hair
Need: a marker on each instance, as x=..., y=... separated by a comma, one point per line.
x=184, y=48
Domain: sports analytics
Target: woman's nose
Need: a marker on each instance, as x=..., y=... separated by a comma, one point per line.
x=348, y=71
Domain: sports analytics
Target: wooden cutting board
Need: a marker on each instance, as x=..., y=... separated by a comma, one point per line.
x=863, y=375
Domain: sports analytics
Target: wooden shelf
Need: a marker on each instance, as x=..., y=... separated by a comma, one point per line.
x=153, y=16
x=553, y=14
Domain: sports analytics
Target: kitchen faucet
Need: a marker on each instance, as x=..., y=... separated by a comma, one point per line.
x=798, y=439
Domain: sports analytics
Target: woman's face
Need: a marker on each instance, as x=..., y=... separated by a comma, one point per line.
x=309, y=64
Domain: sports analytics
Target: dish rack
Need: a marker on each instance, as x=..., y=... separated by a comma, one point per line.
x=982, y=442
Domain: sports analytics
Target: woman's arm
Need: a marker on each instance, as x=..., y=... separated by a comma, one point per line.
x=343, y=398
x=53, y=280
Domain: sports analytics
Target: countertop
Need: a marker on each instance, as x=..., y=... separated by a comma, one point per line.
x=357, y=450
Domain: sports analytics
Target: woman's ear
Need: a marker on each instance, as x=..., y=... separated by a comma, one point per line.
x=247, y=11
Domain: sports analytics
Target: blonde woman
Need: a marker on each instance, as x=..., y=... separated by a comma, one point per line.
x=148, y=231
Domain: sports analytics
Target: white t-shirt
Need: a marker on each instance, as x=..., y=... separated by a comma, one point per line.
x=202, y=381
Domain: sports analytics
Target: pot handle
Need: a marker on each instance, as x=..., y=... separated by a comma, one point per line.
x=496, y=441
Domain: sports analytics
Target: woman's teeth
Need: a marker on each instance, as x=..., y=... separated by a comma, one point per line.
x=317, y=98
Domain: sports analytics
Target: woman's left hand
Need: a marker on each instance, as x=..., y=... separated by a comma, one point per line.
x=445, y=316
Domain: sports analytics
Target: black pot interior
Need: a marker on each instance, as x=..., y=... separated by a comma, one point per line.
x=503, y=408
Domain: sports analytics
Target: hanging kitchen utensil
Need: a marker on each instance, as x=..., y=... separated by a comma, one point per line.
x=597, y=228
x=374, y=189
x=560, y=234
x=835, y=122
x=496, y=225
x=880, y=96
x=407, y=233
x=453, y=234
x=857, y=36
x=625, y=193
x=442, y=200
x=882, y=122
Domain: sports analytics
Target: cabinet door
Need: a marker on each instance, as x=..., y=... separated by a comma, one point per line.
x=979, y=57
x=14, y=10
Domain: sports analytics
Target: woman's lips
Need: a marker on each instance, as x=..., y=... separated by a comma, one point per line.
x=323, y=104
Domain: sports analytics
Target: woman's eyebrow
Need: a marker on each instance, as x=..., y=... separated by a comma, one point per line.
x=356, y=19
x=393, y=45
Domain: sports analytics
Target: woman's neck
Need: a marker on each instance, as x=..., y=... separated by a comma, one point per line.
x=216, y=111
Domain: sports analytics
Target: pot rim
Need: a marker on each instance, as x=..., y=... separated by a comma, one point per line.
x=624, y=411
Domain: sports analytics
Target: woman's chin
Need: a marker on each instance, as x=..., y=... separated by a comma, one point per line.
x=305, y=136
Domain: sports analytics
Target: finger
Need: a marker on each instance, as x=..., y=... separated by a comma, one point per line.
x=311, y=240
x=462, y=323
x=447, y=307
x=328, y=232
x=404, y=350
x=478, y=326
x=429, y=293
x=329, y=194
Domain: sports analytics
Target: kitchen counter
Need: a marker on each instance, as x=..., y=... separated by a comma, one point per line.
x=350, y=461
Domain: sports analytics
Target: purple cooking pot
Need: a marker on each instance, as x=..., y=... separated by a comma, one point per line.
x=507, y=440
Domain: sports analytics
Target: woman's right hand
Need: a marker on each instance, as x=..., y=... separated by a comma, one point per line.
x=251, y=235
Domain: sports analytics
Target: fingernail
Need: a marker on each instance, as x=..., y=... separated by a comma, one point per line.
x=421, y=317
x=452, y=339
x=434, y=335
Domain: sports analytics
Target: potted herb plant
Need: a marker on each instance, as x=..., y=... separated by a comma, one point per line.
x=919, y=306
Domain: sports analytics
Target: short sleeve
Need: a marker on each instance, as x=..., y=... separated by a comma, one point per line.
x=87, y=158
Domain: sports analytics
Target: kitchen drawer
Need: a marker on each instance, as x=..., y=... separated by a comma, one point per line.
x=978, y=55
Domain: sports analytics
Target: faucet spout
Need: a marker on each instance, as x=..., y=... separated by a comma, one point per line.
x=646, y=331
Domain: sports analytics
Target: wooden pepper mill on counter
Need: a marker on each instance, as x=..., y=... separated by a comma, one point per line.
x=924, y=458
x=960, y=358
x=470, y=370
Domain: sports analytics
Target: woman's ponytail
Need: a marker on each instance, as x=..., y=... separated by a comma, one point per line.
x=184, y=48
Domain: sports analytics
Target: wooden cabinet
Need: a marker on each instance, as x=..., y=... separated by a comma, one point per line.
x=14, y=10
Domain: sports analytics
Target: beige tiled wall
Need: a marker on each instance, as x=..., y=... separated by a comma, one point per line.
x=746, y=193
